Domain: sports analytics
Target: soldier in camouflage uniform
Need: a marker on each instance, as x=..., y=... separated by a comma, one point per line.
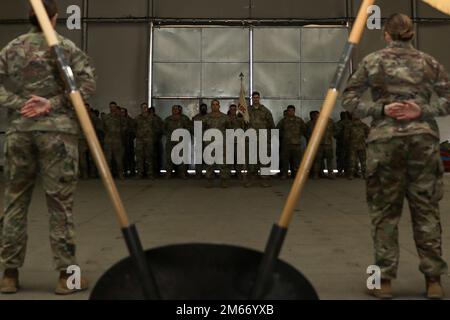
x=403, y=150
x=146, y=128
x=220, y=121
x=41, y=140
x=171, y=123
x=356, y=135
x=325, y=151
x=260, y=118
x=201, y=116
x=129, y=164
x=342, y=145
x=292, y=128
x=114, y=127
x=158, y=147
x=98, y=126
x=237, y=122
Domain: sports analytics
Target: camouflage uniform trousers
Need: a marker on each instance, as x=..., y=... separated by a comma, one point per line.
x=357, y=155
x=325, y=152
x=114, y=153
x=145, y=156
x=170, y=166
x=223, y=168
x=85, y=163
x=291, y=155
x=253, y=169
x=239, y=168
x=55, y=156
x=405, y=167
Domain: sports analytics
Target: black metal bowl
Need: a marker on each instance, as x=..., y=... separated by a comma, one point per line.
x=202, y=272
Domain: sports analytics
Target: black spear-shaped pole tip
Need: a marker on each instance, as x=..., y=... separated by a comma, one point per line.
x=241, y=75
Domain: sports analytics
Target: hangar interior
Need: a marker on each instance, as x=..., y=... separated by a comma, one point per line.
x=183, y=52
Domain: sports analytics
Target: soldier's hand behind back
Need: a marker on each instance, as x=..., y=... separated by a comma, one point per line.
x=36, y=107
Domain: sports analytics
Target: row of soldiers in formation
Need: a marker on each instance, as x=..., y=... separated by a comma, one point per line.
x=134, y=146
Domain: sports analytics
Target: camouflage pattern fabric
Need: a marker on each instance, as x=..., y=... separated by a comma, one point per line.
x=219, y=121
x=147, y=130
x=45, y=146
x=113, y=127
x=403, y=158
x=342, y=145
x=291, y=131
x=406, y=167
x=356, y=136
x=172, y=123
x=260, y=118
x=54, y=157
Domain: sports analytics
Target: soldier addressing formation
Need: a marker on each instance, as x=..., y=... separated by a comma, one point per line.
x=397, y=155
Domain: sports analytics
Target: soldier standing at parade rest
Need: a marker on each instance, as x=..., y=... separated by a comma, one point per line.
x=158, y=147
x=114, y=127
x=260, y=118
x=146, y=128
x=356, y=135
x=41, y=140
x=292, y=128
x=403, y=157
x=237, y=122
x=201, y=116
x=220, y=121
x=342, y=145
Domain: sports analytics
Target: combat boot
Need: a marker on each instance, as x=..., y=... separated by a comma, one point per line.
x=434, y=288
x=10, y=281
x=385, y=291
x=63, y=289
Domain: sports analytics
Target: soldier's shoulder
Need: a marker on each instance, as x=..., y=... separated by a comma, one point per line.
x=68, y=44
x=19, y=43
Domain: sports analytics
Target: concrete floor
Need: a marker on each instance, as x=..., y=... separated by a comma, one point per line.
x=329, y=240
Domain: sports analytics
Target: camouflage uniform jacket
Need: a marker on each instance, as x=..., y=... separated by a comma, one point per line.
x=146, y=127
x=27, y=68
x=237, y=122
x=356, y=134
x=114, y=126
x=171, y=123
x=218, y=121
x=260, y=117
x=291, y=130
x=398, y=72
x=339, y=129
